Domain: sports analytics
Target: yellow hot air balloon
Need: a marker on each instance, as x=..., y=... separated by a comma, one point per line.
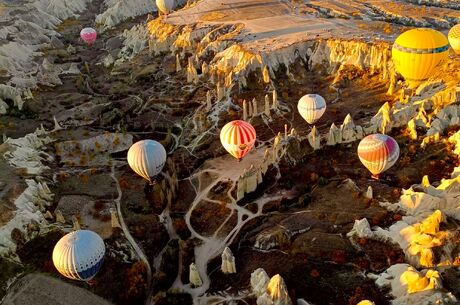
x=417, y=52
x=454, y=38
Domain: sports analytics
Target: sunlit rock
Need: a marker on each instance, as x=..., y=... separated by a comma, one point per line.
x=228, y=261
x=425, y=181
x=409, y=286
x=412, y=130
x=194, y=276
x=266, y=75
x=275, y=100
x=192, y=75
x=245, y=111
x=366, y=302
x=276, y=293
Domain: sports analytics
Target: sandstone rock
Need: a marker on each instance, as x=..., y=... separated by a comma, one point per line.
x=228, y=261
x=276, y=294
x=259, y=282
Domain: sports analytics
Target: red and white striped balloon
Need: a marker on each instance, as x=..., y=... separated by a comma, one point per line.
x=238, y=138
x=88, y=35
x=378, y=152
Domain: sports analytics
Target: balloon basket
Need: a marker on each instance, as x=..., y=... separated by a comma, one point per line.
x=375, y=177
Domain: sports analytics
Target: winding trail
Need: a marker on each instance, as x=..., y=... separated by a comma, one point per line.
x=126, y=232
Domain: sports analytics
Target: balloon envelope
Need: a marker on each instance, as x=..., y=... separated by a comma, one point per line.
x=165, y=6
x=417, y=52
x=454, y=38
x=238, y=138
x=79, y=255
x=378, y=152
x=88, y=35
x=147, y=158
x=311, y=107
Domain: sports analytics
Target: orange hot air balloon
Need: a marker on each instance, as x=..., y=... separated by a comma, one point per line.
x=238, y=138
x=378, y=152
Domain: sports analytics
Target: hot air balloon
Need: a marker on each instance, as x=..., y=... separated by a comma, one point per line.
x=238, y=138
x=88, y=35
x=79, y=255
x=378, y=152
x=311, y=107
x=417, y=52
x=454, y=38
x=165, y=6
x=147, y=158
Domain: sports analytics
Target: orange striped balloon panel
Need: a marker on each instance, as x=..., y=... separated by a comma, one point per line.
x=454, y=38
x=378, y=152
x=238, y=137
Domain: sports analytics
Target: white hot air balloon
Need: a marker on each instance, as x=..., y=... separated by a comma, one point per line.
x=79, y=255
x=165, y=6
x=311, y=107
x=147, y=158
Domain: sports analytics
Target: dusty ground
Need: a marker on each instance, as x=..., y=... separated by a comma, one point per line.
x=299, y=215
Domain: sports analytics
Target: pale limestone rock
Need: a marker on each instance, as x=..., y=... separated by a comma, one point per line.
x=276, y=293
x=348, y=130
x=178, y=66
x=208, y=100
x=314, y=138
x=76, y=223
x=245, y=111
x=220, y=92
x=254, y=107
x=362, y=229
x=228, y=262
x=369, y=192
x=48, y=215
x=194, y=276
x=71, y=49
x=275, y=100
x=334, y=136
x=267, y=106
x=114, y=219
x=259, y=282
x=59, y=217
x=3, y=107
